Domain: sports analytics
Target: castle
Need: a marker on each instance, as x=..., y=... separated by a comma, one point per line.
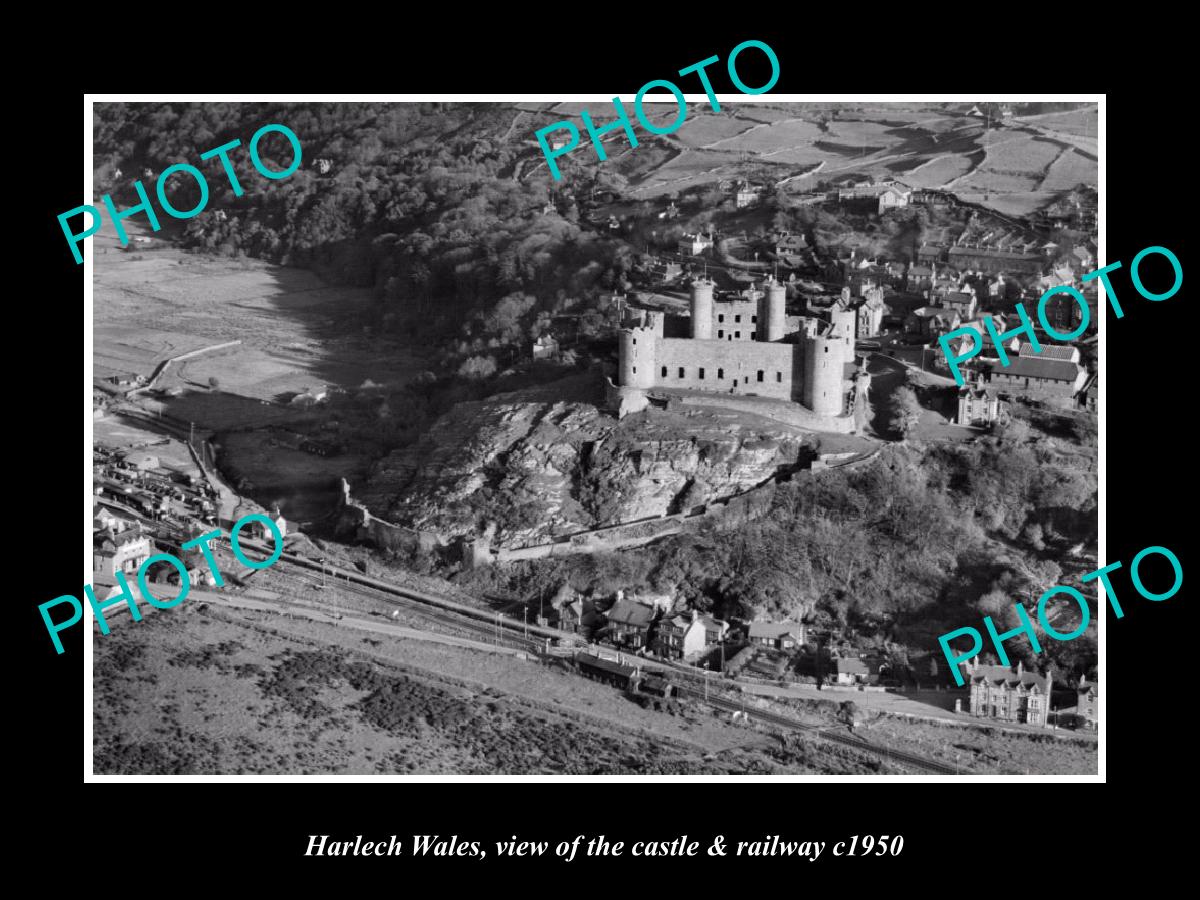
x=741, y=344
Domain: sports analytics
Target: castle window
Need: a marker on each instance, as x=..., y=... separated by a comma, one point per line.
x=681, y=371
x=737, y=334
x=720, y=374
x=760, y=374
x=826, y=349
x=737, y=318
x=721, y=317
x=635, y=370
x=754, y=318
x=752, y=334
x=664, y=372
x=721, y=333
x=701, y=374
x=779, y=377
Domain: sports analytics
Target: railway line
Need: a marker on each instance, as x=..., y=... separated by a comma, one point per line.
x=781, y=721
x=489, y=627
x=494, y=627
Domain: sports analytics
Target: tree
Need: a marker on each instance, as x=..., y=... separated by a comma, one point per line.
x=904, y=412
x=848, y=714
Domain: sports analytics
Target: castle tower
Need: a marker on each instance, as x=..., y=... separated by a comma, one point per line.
x=636, y=357
x=702, y=309
x=824, y=363
x=772, y=311
x=844, y=324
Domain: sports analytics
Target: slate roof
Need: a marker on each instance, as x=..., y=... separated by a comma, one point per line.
x=959, y=250
x=1049, y=351
x=1007, y=676
x=774, y=630
x=627, y=612
x=1037, y=367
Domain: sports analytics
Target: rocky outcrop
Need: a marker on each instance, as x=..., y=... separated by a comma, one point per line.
x=537, y=471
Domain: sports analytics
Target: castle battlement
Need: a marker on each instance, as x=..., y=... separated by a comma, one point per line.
x=737, y=346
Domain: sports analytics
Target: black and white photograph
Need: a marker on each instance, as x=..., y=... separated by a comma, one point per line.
x=579, y=437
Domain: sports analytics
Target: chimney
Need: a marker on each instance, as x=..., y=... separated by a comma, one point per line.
x=1083, y=680
x=1020, y=667
x=695, y=615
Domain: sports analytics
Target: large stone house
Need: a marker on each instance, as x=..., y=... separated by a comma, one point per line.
x=1087, y=706
x=977, y=406
x=1009, y=695
x=680, y=637
x=577, y=616
x=123, y=552
x=1051, y=373
x=849, y=670
x=780, y=635
x=629, y=623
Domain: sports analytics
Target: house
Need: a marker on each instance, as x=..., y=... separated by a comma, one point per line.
x=1089, y=397
x=1052, y=373
x=919, y=277
x=103, y=519
x=849, y=670
x=680, y=637
x=122, y=552
x=1084, y=257
x=260, y=531
x=780, y=635
x=694, y=244
x=893, y=198
x=977, y=406
x=715, y=630
x=663, y=271
x=578, y=616
x=629, y=623
x=928, y=254
x=1009, y=695
x=1087, y=706
x=931, y=321
x=990, y=261
x=790, y=244
x=545, y=347
x=747, y=195
x=962, y=302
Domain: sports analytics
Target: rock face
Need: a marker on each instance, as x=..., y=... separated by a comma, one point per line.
x=535, y=471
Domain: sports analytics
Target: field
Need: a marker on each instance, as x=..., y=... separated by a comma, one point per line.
x=1014, y=168
x=1080, y=122
x=1017, y=153
x=296, y=332
x=990, y=749
x=939, y=171
x=706, y=129
x=198, y=689
x=1069, y=170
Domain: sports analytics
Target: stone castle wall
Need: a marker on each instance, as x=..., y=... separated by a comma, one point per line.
x=730, y=367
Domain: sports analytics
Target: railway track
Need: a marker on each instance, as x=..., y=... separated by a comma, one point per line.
x=781, y=721
x=488, y=628
x=494, y=627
